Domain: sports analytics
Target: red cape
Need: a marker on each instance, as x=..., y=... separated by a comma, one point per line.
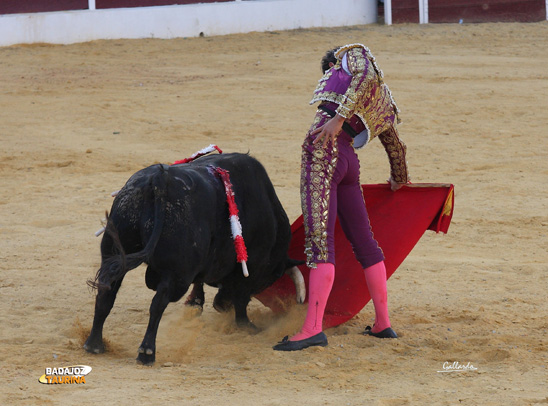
x=398, y=219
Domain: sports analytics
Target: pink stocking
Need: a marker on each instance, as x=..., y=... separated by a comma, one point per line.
x=319, y=287
x=375, y=276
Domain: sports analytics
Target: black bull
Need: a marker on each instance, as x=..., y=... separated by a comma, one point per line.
x=175, y=219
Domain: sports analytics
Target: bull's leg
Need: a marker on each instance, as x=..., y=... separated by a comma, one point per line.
x=197, y=296
x=241, y=298
x=222, y=301
x=103, y=305
x=240, y=308
x=147, y=350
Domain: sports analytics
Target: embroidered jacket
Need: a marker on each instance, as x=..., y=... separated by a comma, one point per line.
x=356, y=84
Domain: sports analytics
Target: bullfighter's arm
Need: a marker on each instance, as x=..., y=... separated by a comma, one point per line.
x=396, y=151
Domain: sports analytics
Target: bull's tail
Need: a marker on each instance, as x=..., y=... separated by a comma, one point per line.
x=115, y=267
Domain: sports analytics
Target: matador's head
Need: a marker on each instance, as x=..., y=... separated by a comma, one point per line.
x=329, y=59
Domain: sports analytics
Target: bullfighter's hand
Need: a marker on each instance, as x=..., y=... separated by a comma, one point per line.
x=328, y=131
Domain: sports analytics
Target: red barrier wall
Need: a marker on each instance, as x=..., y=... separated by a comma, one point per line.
x=470, y=11
x=405, y=11
x=147, y=3
x=36, y=6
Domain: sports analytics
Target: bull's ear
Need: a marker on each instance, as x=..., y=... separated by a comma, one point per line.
x=184, y=181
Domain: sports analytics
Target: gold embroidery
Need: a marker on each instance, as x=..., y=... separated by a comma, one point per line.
x=316, y=174
x=367, y=95
x=396, y=151
x=341, y=51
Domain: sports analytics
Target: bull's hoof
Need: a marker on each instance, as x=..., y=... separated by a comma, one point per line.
x=195, y=303
x=221, y=305
x=146, y=356
x=94, y=348
x=248, y=326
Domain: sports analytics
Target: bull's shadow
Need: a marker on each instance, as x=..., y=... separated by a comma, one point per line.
x=176, y=220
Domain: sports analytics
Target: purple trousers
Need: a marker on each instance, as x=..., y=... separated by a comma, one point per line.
x=330, y=187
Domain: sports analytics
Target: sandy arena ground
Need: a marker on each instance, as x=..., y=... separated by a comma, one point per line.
x=77, y=121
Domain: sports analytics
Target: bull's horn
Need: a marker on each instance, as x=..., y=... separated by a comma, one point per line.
x=102, y=230
x=114, y=194
x=297, y=277
x=244, y=269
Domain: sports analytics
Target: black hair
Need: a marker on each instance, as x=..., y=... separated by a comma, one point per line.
x=329, y=57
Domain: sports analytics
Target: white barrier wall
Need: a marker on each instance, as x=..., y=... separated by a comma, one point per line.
x=166, y=22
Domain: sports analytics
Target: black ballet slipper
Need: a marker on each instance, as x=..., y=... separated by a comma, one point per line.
x=386, y=333
x=319, y=339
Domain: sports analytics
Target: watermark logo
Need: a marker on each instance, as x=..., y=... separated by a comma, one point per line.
x=457, y=367
x=65, y=375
